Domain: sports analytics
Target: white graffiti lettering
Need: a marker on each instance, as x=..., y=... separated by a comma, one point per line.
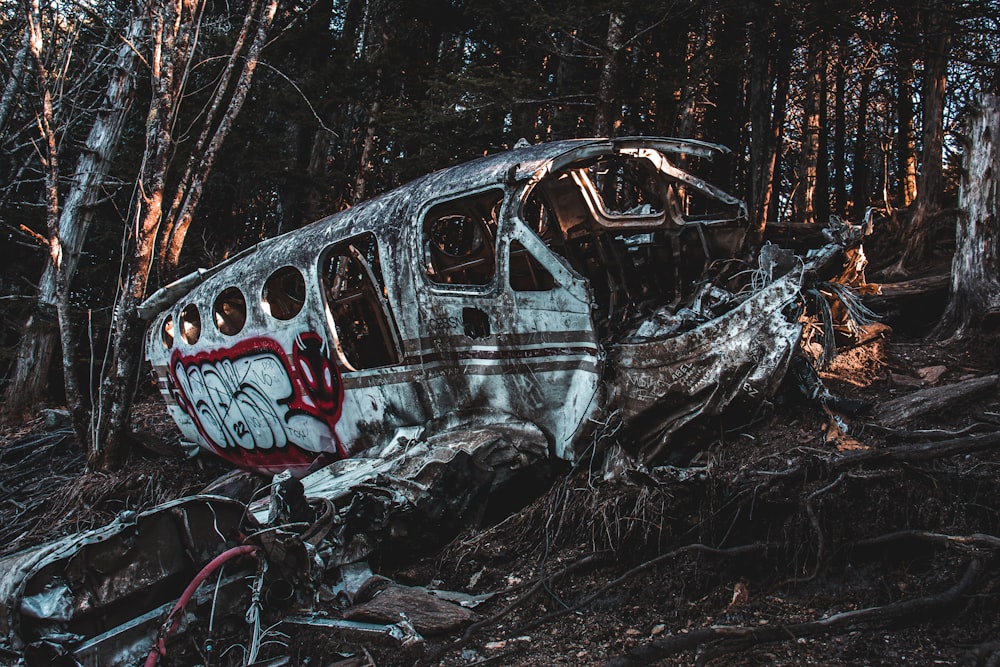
x=244, y=402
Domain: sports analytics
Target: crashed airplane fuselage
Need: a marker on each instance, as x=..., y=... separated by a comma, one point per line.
x=563, y=284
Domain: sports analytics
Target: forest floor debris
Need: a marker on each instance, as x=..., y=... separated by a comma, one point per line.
x=774, y=545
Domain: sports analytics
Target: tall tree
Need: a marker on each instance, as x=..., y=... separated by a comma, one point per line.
x=70, y=222
x=809, y=155
x=905, y=145
x=607, y=117
x=770, y=55
x=939, y=25
x=174, y=26
x=974, y=298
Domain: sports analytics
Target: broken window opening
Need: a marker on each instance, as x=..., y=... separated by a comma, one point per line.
x=190, y=324
x=351, y=275
x=230, y=310
x=621, y=224
x=623, y=190
x=460, y=238
x=284, y=293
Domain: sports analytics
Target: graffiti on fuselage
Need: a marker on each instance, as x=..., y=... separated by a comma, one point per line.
x=260, y=409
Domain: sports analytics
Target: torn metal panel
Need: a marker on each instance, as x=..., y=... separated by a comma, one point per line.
x=662, y=382
x=104, y=587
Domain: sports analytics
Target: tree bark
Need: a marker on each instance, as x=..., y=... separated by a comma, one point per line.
x=840, y=132
x=373, y=48
x=974, y=297
x=49, y=156
x=13, y=83
x=906, y=148
x=769, y=70
x=821, y=195
x=782, y=79
x=169, y=29
x=173, y=24
x=860, y=184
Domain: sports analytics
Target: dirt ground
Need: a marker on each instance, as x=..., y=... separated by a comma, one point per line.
x=808, y=537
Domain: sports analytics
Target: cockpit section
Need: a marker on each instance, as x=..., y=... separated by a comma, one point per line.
x=640, y=231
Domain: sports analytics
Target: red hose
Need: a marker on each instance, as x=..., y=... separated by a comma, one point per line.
x=160, y=647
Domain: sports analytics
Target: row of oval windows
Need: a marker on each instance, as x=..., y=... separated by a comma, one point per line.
x=282, y=298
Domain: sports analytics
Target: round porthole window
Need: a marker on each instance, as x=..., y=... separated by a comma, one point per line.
x=284, y=293
x=230, y=311
x=190, y=324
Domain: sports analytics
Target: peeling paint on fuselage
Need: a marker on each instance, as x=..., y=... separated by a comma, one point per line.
x=499, y=285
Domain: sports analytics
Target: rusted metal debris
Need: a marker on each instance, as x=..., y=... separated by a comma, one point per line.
x=392, y=364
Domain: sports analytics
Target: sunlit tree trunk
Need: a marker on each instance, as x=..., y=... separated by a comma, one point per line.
x=975, y=271
x=906, y=148
x=224, y=108
x=768, y=72
x=173, y=28
x=376, y=41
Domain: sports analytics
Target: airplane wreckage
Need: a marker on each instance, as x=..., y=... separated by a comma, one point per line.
x=396, y=362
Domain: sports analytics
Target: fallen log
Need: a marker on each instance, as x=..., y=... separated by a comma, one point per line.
x=905, y=408
x=892, y=296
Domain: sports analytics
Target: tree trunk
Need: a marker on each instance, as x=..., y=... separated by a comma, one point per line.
x=36, y=346
x=606, y=118
x=13, y=83
x=840, y=132
x=821, y=195
x=49, y=157
x=762, y=151
x=202, y=159
x=782, y=79
x=907, y=152
x=769, y=70
x=860, y=180
x=805, y=191
x=975, y=271
x=172, y=26
x=168, y=23
x=724, y=81
x=930, y=182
